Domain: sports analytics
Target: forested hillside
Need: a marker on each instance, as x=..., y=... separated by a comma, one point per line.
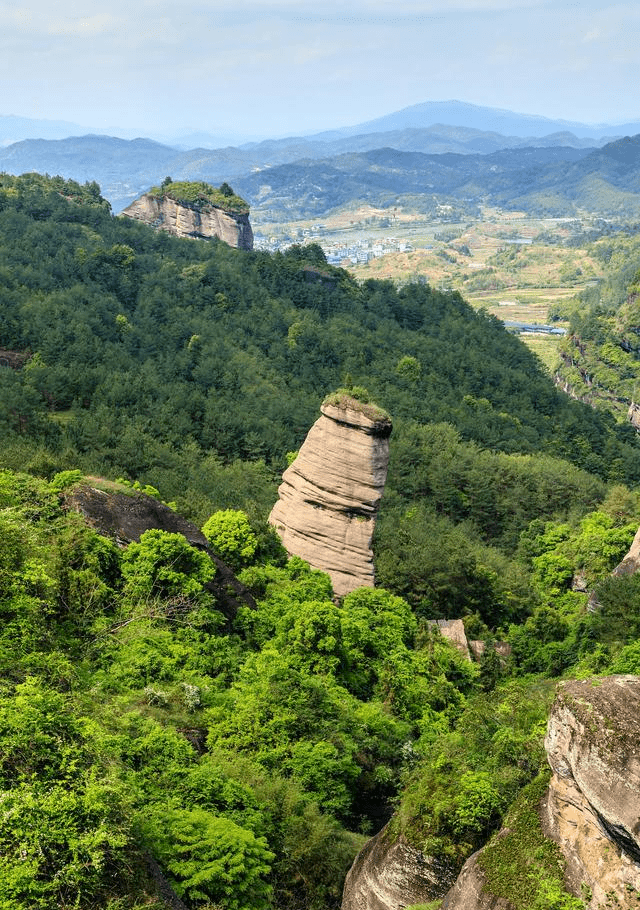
x=600, y=356
x=151, y=739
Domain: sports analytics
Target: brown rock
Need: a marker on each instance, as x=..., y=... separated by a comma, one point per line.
x=125, y=517
x=329, y=496
x=197, y=220
x=592, y=809
x=633, y=415
x=389, y=874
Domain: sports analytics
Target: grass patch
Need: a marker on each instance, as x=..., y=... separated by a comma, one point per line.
x=357, y=399
x=522, y=865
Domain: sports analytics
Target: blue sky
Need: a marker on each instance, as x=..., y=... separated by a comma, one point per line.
x=260, y=69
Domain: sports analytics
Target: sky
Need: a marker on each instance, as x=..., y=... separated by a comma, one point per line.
x=257, y=69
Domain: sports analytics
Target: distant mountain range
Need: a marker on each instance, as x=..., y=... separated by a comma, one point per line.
x=443, y=149
x=473, y=116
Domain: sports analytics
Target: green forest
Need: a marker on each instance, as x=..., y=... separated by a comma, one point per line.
x=154, y=742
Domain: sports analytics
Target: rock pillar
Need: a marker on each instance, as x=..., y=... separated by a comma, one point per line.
x=329, y=496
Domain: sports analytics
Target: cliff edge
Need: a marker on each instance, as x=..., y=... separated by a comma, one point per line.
x=195, y=210
x=329, y=496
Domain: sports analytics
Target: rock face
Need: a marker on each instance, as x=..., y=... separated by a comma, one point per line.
x=468, y=892
x=592, y=808
x=183, y=220
x=629, y=566
x=125, y=517
x=388, y=874
x=453, y=631
x=329, y=496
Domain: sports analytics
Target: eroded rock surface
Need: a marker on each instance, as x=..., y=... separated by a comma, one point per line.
x=389, y=874
x=204, y=221
x=592, y=808
x=329, y=496
x=469, y=893
x=125, y=517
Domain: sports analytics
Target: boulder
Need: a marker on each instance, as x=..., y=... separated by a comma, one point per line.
x=469, y=891
x=389, y=874
x=453, y=631
x=329, y=496
x=591, y=808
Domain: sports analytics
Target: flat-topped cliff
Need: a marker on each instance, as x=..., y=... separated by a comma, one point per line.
x=195, y=210
x=329, y=496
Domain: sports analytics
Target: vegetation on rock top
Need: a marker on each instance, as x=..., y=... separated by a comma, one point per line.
x=359, y=400
x=201, y=194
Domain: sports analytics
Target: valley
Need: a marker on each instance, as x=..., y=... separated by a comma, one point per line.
x=297, y=542
x=519, y=268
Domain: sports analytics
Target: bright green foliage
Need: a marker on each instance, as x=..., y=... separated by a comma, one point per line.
x=476, y=807
x=64, y=479
x=211, y=859
x=65, y=827
x=201, y=193
x=164, y=565
x=456, y=793
x=231, y=536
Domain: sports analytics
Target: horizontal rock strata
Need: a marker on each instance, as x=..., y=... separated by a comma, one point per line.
x=202, y=221
x=329, y=496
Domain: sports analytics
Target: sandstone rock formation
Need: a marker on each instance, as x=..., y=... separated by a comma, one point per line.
x=126, y=516
x=592, y=808
x=629, y=566
x=389, y=874
x=453, y=631
x=633, y=415
x=197, y=220
x=469, y=892
x=329, y=496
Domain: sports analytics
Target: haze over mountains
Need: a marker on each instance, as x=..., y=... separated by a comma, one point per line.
x=332, y=167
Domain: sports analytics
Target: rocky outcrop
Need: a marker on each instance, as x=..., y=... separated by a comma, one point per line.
x=453, y=631
x=633, y=415
x=631, y=563
x=469, y=891
x=389, y=874
x=192, y=220
x=124, y=517
x=329, y=496
x=592, y=809
x=13, y=359
x=629, y=566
